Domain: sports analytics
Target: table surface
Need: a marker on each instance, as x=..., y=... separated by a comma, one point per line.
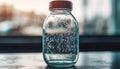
x=87, y=60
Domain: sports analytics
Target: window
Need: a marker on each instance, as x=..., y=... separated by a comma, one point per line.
x=21, y=20
x=98, y=17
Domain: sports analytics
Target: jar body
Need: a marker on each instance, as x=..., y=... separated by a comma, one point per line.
x=60, y=39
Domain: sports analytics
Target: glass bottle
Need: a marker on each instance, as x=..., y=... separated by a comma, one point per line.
x=60, y=36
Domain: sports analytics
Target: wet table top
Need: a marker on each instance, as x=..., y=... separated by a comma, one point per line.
x=87, y=60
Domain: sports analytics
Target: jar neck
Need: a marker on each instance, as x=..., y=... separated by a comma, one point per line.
x=60, y=11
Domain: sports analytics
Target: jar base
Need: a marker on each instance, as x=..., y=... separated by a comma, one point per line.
x=61, y=63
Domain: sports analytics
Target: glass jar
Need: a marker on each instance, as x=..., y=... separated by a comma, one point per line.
x=60, y=36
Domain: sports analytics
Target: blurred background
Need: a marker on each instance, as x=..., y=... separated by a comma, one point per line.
x=26, y=17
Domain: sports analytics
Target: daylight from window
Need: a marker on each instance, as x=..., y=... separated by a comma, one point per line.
x=26, y=17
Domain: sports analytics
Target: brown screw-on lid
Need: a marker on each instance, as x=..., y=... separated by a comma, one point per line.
x=62, y=4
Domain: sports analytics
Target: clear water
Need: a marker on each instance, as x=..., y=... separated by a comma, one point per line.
x=60, y=49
